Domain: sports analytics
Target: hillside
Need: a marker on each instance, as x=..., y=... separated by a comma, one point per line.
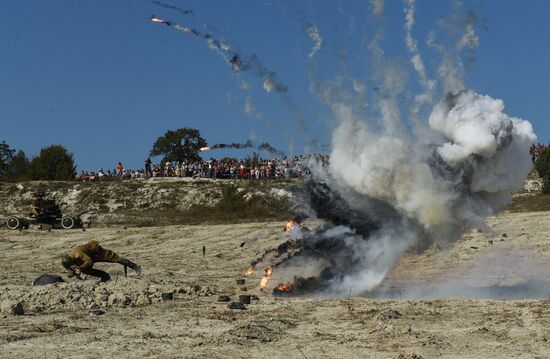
x=157, y=201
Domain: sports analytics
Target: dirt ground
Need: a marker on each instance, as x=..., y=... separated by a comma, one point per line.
x=172, y=310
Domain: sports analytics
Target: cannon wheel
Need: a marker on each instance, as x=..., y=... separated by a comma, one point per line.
x=68, y=222
x=14, y=223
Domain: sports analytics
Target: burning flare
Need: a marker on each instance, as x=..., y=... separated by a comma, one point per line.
x=205, y=148
x=159, y=21
x=267, y=277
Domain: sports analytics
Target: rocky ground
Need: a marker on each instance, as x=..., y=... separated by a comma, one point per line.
x=172, y=310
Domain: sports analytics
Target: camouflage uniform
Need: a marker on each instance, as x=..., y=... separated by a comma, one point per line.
x=84, y=256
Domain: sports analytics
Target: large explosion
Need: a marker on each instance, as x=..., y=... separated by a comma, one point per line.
x=384, y=193
x=398, y=182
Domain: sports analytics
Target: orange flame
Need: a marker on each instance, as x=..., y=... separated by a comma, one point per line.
x=250, y=270
x=156, y=19
x=290, y=225
x=267, y=277
x=283, y=287
x=204, y=148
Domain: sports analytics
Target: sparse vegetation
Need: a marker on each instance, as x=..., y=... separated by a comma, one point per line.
x=238, y=205
x=542, y=165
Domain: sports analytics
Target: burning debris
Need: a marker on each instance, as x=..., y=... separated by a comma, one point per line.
x=282, y=288
x=290, y=225
x=250, y=270
x=266, y=278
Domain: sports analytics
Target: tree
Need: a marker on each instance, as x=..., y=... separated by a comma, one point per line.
x=14, y=165
x=180, y=145
x=542, y=165
x=6, y=157
x=20, y=167
x=53, y=163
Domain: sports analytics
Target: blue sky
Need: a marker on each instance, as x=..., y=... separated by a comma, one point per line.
x=100, y=79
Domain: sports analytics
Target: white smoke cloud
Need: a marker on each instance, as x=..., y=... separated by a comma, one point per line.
x=483, y=150
x=315, y=36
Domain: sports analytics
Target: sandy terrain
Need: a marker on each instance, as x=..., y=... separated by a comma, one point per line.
x=138, y=322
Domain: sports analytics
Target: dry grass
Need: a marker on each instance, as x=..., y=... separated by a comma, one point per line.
x=530, y=202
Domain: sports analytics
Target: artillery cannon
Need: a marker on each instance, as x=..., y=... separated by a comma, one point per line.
x=45, y=212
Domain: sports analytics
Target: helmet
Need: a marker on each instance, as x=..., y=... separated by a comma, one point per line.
x=67, y=261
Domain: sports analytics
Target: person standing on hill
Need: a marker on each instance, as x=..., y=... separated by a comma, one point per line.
x=119, y=170
x=148, y=171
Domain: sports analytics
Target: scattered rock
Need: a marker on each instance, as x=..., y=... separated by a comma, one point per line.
x=224, y=298
x=254, y=297
x=410, y=356
x=46, y=278
x=194, y=288
x=504, y=235
x=143, y=299
x=490, y=242
x=167, y=296
x=122, y=300
x=244, y=298
x=388, y=315
x=236, y=305
x=11, y=308
x=96, y=311
x=474, y=247
x=240, y=281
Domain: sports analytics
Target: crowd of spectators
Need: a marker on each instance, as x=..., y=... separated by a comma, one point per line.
x=227, y=168
x=535, y=150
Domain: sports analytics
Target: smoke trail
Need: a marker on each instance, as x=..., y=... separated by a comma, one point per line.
x=315, y=36
x=377, y=7
x=428, y=85
x=264, y=146
x=236, y=61
x=311, y=30
x=247, y=144
x=412, y=46
x=452, y=69
x=171, y=7
x=249, y=108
